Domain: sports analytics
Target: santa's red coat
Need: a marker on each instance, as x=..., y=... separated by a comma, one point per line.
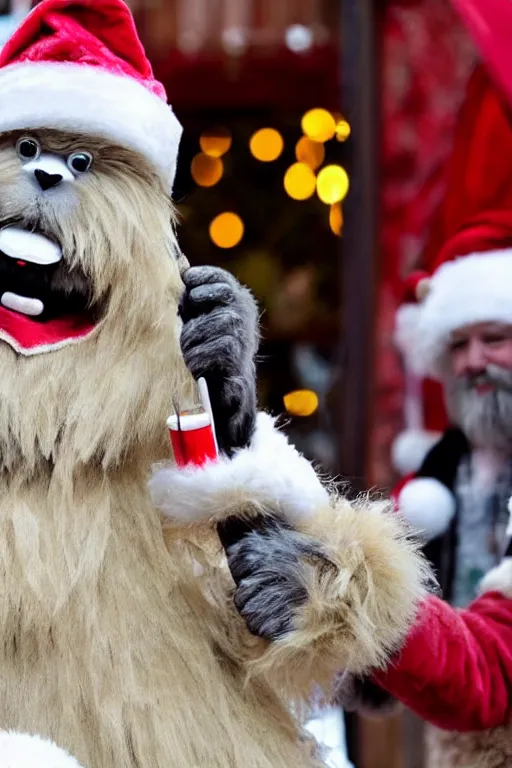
x=455, y=670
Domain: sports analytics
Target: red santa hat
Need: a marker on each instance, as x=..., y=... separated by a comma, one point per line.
x=79, y=66
x=470, y=279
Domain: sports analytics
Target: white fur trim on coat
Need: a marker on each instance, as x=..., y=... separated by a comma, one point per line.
x=410, y=448
x=468, y=290
x=428, y=506
x=89, y=100
x=499, y=579
x=19, y=750
x=269, y=474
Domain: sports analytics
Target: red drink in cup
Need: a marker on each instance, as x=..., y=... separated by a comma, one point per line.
x=193, y=433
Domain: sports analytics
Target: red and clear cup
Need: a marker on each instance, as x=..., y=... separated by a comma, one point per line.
x=192, y=438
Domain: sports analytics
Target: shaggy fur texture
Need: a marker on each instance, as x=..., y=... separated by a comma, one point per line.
x=219, y=341
x=119, y=640
x=361, y=598
x=490, y=749
x=265, y=564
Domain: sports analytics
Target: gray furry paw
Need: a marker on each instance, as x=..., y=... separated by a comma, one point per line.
x=266, y=563
x=219, y=341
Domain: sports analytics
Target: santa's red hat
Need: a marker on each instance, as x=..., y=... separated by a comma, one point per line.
x=79, y=66
x=470, y=275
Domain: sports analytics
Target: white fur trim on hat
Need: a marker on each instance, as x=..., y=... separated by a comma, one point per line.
x=499, y=579
x=269, y=474
x=468, y=290
x=87, y=99
x=410, y=448
x=406, y=331
x=19, y=750
x=428, y=506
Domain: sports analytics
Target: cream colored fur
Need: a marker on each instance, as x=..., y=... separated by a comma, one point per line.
x=489, y=749
x=118, y=639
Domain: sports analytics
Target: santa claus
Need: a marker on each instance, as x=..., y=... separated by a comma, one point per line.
x=460, y=332
x=455, y=670
x=129, y=636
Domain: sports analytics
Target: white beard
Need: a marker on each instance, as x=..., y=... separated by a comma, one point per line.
x=486, y=419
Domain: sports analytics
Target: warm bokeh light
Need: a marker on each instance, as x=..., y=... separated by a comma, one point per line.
x=332, y=184
x=299, y=181
x=206, y=171
x=266, y=145
x=336, y=218
x=226, y=230
x=318, y=124
x=342, y=130
x=302, y=402
x=310, y=152
x=215, y=142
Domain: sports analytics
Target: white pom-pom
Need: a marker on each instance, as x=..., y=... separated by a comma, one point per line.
x=410, y=448
x=428, y=506
x=19, y=750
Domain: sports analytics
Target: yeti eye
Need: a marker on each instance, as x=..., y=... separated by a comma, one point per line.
x=80, y=162
x=28, y=149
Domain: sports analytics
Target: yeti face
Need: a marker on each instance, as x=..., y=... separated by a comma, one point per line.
x=76, y=218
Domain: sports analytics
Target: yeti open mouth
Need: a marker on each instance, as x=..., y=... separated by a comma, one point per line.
x=43, y=304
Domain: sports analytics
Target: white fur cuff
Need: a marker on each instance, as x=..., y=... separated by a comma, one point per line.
x=19, y=750
x=269, y=474
x=499, y=579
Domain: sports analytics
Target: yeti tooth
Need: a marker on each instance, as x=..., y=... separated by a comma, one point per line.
x=22, y=304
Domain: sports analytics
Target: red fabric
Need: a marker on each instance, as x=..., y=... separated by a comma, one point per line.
x=490, y=25
x=435, y=418
x=426, y=60
x=477, y=211
x=85, y=32
x=455, y=670
x=395, y=493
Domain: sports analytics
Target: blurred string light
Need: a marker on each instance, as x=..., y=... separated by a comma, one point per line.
x=332, y=184
x=336, y=218
x=215, y=142
x=235, y=41
x=310, y=152
x=206, y=170
x=266, y=145
x=342, y=130
x=302, y=402
x=227, y=229
x=299, y=38
x=319, y=125
x=299, y=181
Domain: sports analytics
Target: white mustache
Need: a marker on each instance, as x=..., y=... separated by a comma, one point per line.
x=493, y=376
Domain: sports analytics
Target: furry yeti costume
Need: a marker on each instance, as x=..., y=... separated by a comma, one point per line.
x=125, y=637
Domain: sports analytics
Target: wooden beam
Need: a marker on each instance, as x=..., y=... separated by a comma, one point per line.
x=358, y=277
x=359, y=245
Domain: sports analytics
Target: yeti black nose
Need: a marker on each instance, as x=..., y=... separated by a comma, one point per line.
x=47, y=180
